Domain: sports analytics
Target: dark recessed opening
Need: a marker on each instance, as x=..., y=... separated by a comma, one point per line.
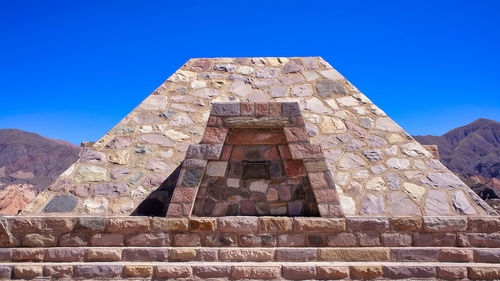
x=256, y=169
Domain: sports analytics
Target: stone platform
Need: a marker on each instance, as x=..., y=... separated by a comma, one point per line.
x=232, y=248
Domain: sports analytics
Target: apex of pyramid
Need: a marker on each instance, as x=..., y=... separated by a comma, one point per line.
x=257, y=136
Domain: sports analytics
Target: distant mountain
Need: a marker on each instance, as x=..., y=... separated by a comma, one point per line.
x=471, y=150
x=28, y=164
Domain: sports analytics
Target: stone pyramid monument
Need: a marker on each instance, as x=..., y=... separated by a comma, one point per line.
x=254, y=169
x=369, y=164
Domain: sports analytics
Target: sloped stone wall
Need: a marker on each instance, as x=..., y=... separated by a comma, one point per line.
x=378, y=169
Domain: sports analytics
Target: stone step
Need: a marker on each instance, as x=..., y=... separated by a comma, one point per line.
x=249, y=270
x=284, y=254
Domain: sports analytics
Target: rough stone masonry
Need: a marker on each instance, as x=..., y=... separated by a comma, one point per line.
x=376, y=167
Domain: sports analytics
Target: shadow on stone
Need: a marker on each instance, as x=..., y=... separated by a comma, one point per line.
x=156, y=204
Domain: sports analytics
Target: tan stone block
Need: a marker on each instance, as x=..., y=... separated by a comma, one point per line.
x=138, y=270
x=170, y=224
x=406, y=223
x=320, y=224
x=180, y=254
x=39, y=240
x=173, y=271
x=366, y=272
x=332, y=272
x=26, y=254
x=202, y=224
x=24, y=225
x=238, y=224
x=354, y=254
x=484, y=273
x=451, y=272
x=455, y=255
x=242, y=255
x=256, y=272
x=27, y=271
x=128, y=225
x=269, y=225
x=58, y=271
x=103, y=254
x=292, y=240
x=107, y=239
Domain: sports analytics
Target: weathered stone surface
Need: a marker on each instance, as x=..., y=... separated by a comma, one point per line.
x=90, y=174
x=400, y=204
x=97, y=271
x=315, y=105
x=372, y=205
x=327, y=88
x=61, y=204
x=400, y=272
x=386, y=124
x=351, y=161
x=373, y=155
x=436, y=203
x=446, y=180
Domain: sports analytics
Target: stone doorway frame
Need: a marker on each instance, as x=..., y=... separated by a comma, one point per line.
x=227, y=115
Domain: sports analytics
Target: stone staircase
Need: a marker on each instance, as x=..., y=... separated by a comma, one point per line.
x=233, y=248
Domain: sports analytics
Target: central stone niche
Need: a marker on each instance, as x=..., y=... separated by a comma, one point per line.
x=255, y=177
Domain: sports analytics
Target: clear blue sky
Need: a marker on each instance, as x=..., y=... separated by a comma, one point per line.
x=72, y=71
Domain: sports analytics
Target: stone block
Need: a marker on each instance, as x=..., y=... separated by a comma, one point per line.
x=145, y=254
x=487, y=255
x=355, y=224
x=27, y=254
x=39, y=240
x=435, y=239
x=5, y=254
x=107, y=240
x=148, y=240
x=320, y=224
x=26, y=225
x=59, y=225
x=187, y=240
x=332, y=272
x=97, y=271
x=256, y=272
x=214, y=135
x=342, y=240
x=404, y=271
x=292, y=240
x=290, y=109
x=170, y=224
x=225, y=109
x=143, y=271
x=305, y=151
x=204, y=151
x=415, y=254
x=353, y=254
x=366, y=272
x=183, y=254
x=238, y=224
x=73, y=240
x=202, y=224
x=479, y=240
x=173, y=271
x=484, y=273
x=64, y=203
x=275, y=109
x=27, y=271
x=216, y=168
x=294, y=134
x=272, y=225
x=128, y=225
x=212, y=271
x=483, y=224
x=406, y=223
x=444, y=224
x=64, y=254
x=296, y=255
x=368, y=239
x=58, y=271
x=90, y=224
x=247, y=108
x=455, y=255
x=246, y=255
x=396, y=239
x=103, y=254
x=299, y=272
x=451, y=272
x=295, y=168
x=184, y=195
